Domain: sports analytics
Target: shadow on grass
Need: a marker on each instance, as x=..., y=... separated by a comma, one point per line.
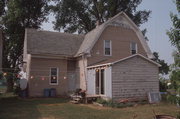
x=17, y=108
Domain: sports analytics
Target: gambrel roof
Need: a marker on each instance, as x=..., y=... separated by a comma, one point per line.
x=121, y=20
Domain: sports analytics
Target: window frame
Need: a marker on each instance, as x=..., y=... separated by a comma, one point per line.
x=110, y=48
x=136, y=46
x=51, y=75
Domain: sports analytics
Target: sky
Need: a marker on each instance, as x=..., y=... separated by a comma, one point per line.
x=158, y=24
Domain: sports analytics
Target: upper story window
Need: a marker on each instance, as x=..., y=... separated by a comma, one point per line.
x=133, y=48
x=54, y=76
x=107, y=48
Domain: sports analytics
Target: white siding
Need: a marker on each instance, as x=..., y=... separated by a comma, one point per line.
x=91, y=82
x=108, y=82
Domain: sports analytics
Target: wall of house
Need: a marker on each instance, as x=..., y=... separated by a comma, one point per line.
x=40, y=68
x=134, y=77
x=1, y=50
x=108, y=82
x=121, y=39
x=28, y=66
x=82, y=64
x=72, y=75
x=91, y=81
x=25, y=47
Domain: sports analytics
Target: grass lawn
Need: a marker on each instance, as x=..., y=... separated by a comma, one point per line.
x=57, y=108
x=2, y=88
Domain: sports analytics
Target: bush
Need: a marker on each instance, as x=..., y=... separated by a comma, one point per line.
x=178, y=115
x=17, y=90
x=101, y=101
x=173, y=99
x=111, y=103
x=178, y=100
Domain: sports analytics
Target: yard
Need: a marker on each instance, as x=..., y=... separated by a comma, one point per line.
x=2, y=88
x=57, y=108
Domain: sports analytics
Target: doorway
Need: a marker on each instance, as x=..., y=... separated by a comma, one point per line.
x=100, y=82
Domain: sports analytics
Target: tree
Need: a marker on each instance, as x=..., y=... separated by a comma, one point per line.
x=2, y=7
x=164, y=69
x=174, y=32
x=174, y=36
x=2, y=10
x=81, y=15
x=20, y=14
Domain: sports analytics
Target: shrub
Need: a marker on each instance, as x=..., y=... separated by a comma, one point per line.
x=101, y=101
x=111, y=103
x=17, y=90
x=178, y=115
x=173, y=99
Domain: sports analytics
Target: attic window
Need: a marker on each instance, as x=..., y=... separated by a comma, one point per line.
x=54, y=76
x=107, y=47
x=133, y=47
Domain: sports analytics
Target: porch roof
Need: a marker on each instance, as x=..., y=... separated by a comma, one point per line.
x=123, y=59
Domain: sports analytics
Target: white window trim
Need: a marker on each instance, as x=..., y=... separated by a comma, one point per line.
x=110, y=48
x=131, y=48
x=57, y=76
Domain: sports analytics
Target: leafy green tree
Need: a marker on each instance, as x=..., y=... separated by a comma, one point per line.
x=174, y=36
x=20, y=14
x=2, y=10
x=174, y=32
x=81, y=15
x=2, y=7
x=164, y=69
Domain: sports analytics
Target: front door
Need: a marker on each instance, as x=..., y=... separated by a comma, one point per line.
x=100, y=82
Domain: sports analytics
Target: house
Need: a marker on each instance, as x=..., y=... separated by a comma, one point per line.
x=1, y=48
x=113, y=60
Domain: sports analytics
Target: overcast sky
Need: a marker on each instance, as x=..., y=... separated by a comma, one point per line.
x=157, y=25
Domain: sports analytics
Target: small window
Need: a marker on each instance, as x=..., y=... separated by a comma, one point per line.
x=133, y=48
x=107, y=48
x=54, y=76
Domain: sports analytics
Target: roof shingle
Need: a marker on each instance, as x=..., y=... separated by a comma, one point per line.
x=46, y=42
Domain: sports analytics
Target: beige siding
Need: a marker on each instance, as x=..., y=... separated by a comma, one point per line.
x=82, y=64
x=72, y=75
x=25, y=48
x=40, y=67
x=134, y=77
x=121, y=39
x=1, y=50
x=28, y=66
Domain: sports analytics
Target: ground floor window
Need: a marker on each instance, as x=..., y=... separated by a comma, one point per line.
x=54, y=76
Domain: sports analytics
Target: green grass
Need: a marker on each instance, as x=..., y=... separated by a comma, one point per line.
x=2, y=88
x=58, y=108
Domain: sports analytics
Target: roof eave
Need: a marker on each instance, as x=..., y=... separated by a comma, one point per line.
x=140, y=56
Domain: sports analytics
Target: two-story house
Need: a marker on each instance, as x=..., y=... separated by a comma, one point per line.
x=113, y=60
